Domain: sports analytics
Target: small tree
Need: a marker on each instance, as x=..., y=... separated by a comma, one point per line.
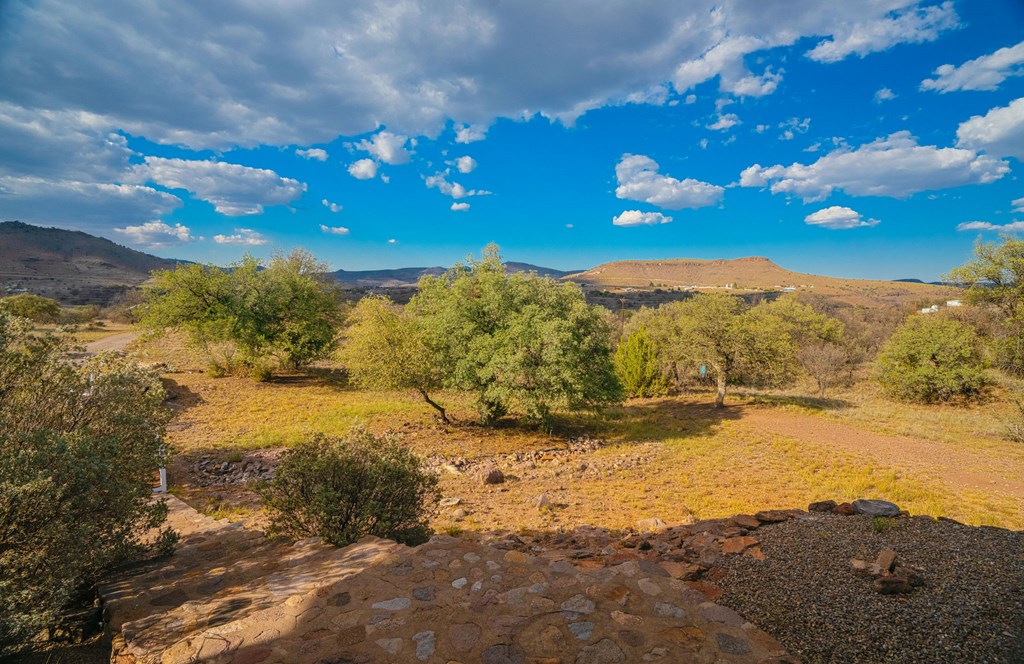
x=931, y=358
x=342, y=489
x=827, y=362
x=636, y=364
x=36, y=308
x=78, y=447
x=385, y=349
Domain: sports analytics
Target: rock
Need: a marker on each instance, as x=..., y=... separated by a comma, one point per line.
x=912, y=577
x=425, y=642
x=822, y=506
x=582, y=630
x=604, y=651
x=541, y=502
x=844, y=509
x=396, y=604
x=744, y=521
x=772, y=516
x=720, y=614
x=864, y=568
x=449, y=502
x=731, y=645
x=886, y=560
x=892, y=585
x=503, y=653
x=876, y=507
x=735, y=545
x=653, y=523
x=491, y=475
x=464, y=636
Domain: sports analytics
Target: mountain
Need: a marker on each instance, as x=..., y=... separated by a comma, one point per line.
x=410, y=276
x=70, y=266
x=754, y=273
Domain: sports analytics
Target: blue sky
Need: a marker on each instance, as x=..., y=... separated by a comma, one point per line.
x=875, y=139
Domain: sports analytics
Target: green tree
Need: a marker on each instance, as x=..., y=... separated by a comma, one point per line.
x=286, y=312
x=637, y=366
x=342, y=489
x=516, y=342
x=994, y=277
x=79, y=444
x=36, y=308
x=931, y=358
x=385, y=348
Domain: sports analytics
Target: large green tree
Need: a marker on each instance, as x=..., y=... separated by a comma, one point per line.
x=287, y=312
x=36, y=308
x=516, y=342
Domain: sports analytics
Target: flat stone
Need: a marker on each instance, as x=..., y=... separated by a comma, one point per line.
x=886, y=560
x=425, y=594
x=892, y=585
x=745, y=521
x=449, y=502
x=649, y=587
x=876, y=507
x=604, y=651
x=464, y=636
x=460, y=583
x=844, y=509
x=666, y=610
x=578, y=604
x=822, y=506
x=651, y=524
x=688, y=637
x=720, y=614
x=503, y=653
x=515, y=557
x=396, y=604
x=735, y=545
x=732, y=645
x=626, y=618
x=582, y=630
x=632, y=638
x=390, y=646
x=425, y=642
x=772, y=516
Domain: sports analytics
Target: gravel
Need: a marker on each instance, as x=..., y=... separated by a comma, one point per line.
x=806, y=595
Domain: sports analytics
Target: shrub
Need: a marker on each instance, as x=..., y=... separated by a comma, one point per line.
x=342, y=489
x=36, y=308
x=78, y=447
x=636, y=364
x=931, y=359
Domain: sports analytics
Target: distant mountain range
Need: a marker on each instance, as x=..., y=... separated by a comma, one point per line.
x=76, y=267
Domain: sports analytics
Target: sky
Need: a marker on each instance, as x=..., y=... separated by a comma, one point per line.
x=872, y=139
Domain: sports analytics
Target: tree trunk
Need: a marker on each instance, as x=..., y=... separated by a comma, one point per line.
x=720, y=395
x=437, y=407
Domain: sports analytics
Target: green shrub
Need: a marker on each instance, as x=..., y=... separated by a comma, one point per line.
x=930, y=359
x=636, y=365
x=342, y=489
x=36, y=308
x=78, y=448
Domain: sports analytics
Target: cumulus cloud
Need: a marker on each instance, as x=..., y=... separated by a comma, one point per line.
x=984, y=73
x=638, y=218
x=242, y=236
x=313, y=153
x=757, y=86
x=913, y=26
x=460, y=207
x=386, y=147
x=793, y=126
x=1018, y=205
x=156, y=234
x=392, y=241
x=470, y=133
x=440, y=181
x=232, y=189
x=465, y=164
x=1012, y=227
x=884, y=94
x=838, y=217
x=333, y=230
x=894, y=166
x=333, y=207
x=725, y=122
x=364, y=169
x=999, y=132
x=639, y=180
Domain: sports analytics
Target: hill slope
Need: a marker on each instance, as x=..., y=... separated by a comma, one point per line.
x=71, y=266
x=410, y=276
x=754, y=273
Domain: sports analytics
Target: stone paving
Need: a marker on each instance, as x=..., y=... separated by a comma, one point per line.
x=230, y=595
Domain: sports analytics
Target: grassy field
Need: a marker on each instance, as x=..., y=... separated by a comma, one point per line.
x=669, y=458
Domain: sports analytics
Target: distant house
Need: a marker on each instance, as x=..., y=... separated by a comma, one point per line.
x=934, y=309
x=954, y=303
x=789, y=289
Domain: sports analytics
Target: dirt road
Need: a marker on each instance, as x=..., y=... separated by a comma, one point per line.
x=112, y=343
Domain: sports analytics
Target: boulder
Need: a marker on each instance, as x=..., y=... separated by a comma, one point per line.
x=844, y=509
x=541, y=502
x=653, y=523
x=892, y=585
x=491, y=475
x=876, y=507
x=886, y=560
x=772, y=516
x=822, y=506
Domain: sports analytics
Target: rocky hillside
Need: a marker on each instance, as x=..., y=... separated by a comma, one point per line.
x=410, y=276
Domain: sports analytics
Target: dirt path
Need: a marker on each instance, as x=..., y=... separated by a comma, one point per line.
x=982, y=470
x=112, y=343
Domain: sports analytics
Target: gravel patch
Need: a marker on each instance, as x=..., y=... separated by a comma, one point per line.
x=806, y=595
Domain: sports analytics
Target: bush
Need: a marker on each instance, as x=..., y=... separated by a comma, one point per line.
x=931, y=359
x=636, y=364
x=342, y=489
x=78, y=447
x=36, y=308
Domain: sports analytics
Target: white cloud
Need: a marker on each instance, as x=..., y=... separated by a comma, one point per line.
x=454, y=189
x=999, y=132
x=386, y=147
x=333, y=207
x=837, y=218
x=1013, y=227
x=690, y=99
x=792, y=127
x=725, y=122
x=470, y=133
x=156, y=234
x=884, y=94
x=460, y=207
x=894, y=166
x=364, y=169
x=913, y=26
x=232, y=189
x=243, y=236
x=569, y=226
x=465, y=164
x=313, y=153
x=392, y=241
x=1018, y=205
x=757, y=86
x=639, y=180
x=638, y=218
x=334, y=230
x=984, y=73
